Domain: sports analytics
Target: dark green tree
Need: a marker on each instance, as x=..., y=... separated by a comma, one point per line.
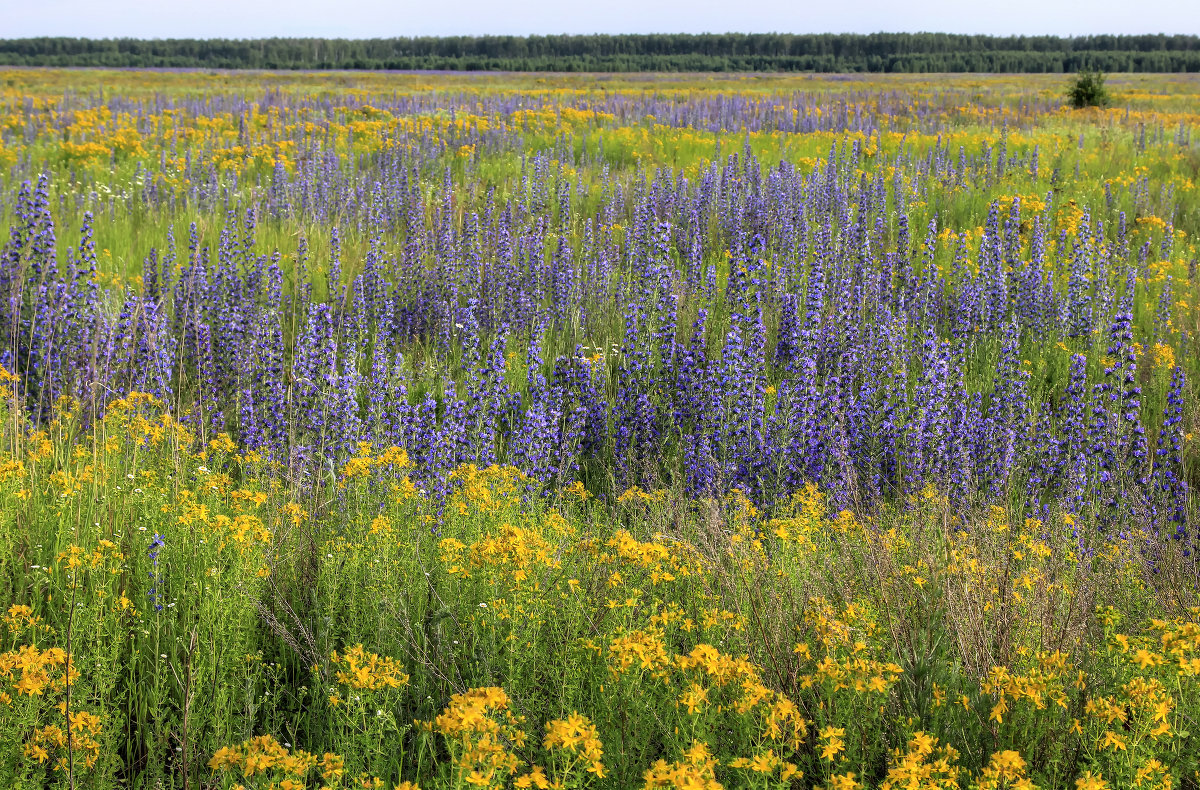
x=877, y=52
x=1088, y=90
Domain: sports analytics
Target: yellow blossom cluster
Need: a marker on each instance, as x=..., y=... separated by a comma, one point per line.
x=487, y=490
x=696, y=770
x=366, y=462
x=367, y=671
x=28, y=671
x=81, y=747
x=1006, y=770
x=276, y=767
x=924, y=765
x=658, y=561
x=20, y=617
x=1043, y=683
x=573, y=742
x=480, y=731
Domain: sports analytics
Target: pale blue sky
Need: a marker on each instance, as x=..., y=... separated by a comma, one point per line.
x=382, y=18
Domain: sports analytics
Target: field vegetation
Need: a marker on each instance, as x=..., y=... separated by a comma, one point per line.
x=604, y=431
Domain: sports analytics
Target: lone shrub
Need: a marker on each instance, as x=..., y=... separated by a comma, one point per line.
x=1088, y=90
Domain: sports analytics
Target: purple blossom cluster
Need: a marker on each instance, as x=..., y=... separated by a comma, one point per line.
x=325, y=184
x=750, y=328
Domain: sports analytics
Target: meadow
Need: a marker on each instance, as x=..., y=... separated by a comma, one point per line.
x=398, y=430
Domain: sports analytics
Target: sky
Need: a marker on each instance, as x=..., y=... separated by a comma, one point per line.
x=386, y=18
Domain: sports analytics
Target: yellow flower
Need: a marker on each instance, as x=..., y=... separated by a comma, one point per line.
x=846, y=781
x=833, y=742
x=922, y=743
x=1113, y=741
x=998, y=711
x=1146, y=659
x=535, y=778
x=763, y=763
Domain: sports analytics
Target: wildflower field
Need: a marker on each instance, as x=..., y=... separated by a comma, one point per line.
x=395, y=430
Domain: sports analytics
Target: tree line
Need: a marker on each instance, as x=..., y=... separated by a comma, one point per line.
x=877, y=52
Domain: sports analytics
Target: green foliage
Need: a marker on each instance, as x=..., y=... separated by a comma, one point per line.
x=655, y=642
x=1088, y=90
x=827, y=52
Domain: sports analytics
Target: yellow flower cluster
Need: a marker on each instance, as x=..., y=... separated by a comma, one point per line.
x=1005, y=771
x=20, y=617
x=695, y=771
x=487, y=490
x=636, y=494
x=854, y=672
x=844, y=781
x=139, y=419
x=707, y=681
x=832, y=742
x=514, y=551
x=279, y=768
x=576, y=738
x=1044, y=682
x=1163, y=356
x=8, y=383
x=847, y=663
x=244, y=529
x=720, y=668
x=643, y=650
x=806, y=526
x=27, y=671
x=367, y=463
x=1142, y=708
x=658, y=560
x=362, y=670
x=82, y=748
x=923, y=766
x=766, y=763
x=1178, y=641
x=479, y=729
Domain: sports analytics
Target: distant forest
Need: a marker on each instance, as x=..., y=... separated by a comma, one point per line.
x=880, y=52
